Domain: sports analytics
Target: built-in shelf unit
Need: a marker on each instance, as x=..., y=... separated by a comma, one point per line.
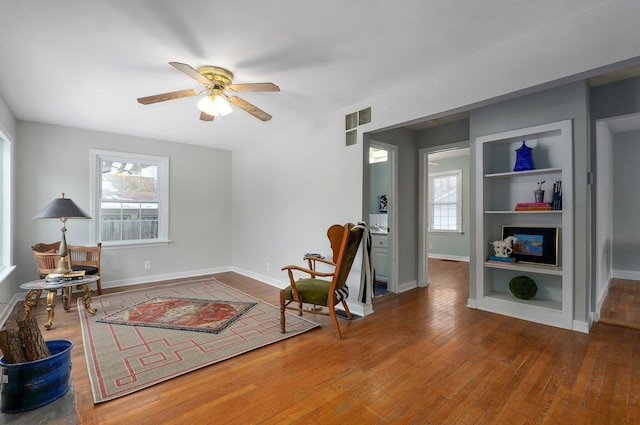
x=498, y=190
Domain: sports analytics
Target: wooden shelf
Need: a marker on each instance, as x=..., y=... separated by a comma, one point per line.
x=537, y=303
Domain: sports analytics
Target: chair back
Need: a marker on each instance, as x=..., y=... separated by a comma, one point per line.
x=85, y=255
x=46, y=257
x=335, y=234
x=348, y=250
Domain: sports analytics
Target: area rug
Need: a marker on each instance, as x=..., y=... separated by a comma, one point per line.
x=126, y=357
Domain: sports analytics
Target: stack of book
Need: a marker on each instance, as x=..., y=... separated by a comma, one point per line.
x=533, y=206
x=557, y=195
x=501, y=260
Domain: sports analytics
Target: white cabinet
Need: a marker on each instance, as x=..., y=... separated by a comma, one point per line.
x=498, y=190
x=380, y=256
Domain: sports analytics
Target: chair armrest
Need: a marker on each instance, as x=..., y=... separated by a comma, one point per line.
x=321, y=260
x=290, y=268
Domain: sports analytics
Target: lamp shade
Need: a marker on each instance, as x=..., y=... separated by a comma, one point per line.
x=62, y=208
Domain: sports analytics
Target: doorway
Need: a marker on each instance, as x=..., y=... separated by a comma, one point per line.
x=450, y=240
x=382, y=215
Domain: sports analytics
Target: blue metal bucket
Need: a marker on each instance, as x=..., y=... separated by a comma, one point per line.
x=26, y=386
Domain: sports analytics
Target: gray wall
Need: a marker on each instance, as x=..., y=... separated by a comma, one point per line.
x=562, y=103
x=52, y=159
x=451, y=245
x=407, y=202
x=626, y=202
x=454, y=245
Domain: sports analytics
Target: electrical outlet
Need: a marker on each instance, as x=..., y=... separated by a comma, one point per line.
x=268, y=266
x=430, y=246
x=147, y=265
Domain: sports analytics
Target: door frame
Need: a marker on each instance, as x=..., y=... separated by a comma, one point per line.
x=423, y=205
x=392, y=211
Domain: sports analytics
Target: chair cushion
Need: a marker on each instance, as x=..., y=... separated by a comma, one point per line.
x=88, y=270
x=314, y=291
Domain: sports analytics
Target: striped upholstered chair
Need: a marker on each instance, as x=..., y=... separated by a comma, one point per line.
x=325, y=289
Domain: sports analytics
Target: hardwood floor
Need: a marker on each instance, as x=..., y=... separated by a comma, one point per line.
x=622, y=304
x=421, y=358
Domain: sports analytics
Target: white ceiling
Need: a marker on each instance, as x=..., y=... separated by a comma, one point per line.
x=83, y=63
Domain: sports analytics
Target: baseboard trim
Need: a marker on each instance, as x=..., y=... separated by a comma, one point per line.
x=625, y=274
x=449, y=257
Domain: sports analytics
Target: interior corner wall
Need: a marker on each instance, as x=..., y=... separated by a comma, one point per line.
x=407, y=251
x=569, y=102
x=51, y=159
x=626, y=204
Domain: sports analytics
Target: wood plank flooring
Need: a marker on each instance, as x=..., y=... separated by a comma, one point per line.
x=622, y=304
x=421, y=358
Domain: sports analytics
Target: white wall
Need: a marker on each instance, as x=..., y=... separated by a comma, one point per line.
x=604, y=212
x=53, y=159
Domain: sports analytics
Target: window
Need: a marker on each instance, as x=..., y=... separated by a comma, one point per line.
x=130, y=200
x=445, y=206
x=6, y=206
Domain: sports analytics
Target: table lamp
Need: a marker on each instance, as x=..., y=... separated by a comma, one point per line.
x=63, y=209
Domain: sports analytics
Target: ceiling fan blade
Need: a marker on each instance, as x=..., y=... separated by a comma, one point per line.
x=188, y=70
x=254, y=87
x=253, y=110
x=168, y=96
x=206, y=117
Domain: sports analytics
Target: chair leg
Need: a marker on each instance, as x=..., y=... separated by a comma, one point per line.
x=99, y=287
x=346, y=308
x=334, y=319
x=282, y=318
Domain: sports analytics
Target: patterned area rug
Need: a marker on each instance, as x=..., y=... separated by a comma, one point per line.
x=124, y=358
x=187, y=314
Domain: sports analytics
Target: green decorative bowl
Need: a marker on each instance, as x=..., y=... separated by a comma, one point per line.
x=523, y=287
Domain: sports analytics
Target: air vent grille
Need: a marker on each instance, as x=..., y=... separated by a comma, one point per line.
x=364, y=116
x=352, y=137
x=351, y=121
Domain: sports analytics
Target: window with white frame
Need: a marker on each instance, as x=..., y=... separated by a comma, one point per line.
x=130, y=200
x=445, y=201
x=6, y=205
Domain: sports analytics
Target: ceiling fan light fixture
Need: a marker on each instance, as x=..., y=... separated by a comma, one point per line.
x=214, y=105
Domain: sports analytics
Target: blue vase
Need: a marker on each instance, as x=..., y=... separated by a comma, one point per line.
x=26, y=386
x=524, y=161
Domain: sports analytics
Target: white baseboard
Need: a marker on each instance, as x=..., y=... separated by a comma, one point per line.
x=625, y=274
x=162, y=277
x=449, y=257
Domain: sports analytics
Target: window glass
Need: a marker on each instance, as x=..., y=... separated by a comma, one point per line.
x=131, y=202
x=445, y=210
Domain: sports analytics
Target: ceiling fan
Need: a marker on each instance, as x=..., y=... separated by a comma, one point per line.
x=216, y=81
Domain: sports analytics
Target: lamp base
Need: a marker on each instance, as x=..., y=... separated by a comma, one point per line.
x=63, y=266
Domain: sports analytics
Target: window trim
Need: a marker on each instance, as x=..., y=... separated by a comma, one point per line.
x=6, y=198
x=163, y=191
x=457, y=173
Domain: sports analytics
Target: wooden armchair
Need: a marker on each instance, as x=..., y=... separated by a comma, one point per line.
x=334, y=233
x=46, y=256
x=85, y=258
x=321, y=292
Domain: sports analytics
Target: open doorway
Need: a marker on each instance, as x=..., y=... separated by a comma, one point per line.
x=444, y=207
x=382, y=215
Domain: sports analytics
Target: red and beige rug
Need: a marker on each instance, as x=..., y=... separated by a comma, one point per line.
x=143, y=337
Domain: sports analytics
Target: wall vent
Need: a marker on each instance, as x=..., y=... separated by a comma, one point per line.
x=351, y=121
x=364, y=116
x=352, y=137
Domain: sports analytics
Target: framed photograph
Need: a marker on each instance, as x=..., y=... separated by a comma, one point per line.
x=383, y=203
x=534, y=244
